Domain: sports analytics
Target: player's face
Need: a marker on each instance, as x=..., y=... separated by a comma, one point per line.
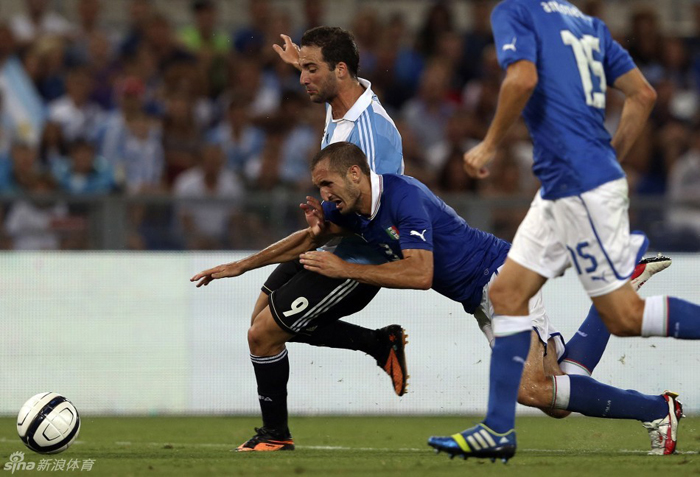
x=336, y=188
x=320, y=82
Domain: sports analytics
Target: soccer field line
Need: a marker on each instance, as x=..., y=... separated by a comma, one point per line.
x=352, y=449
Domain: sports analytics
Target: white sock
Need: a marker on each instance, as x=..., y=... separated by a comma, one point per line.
x=562, y=392
x=504, y=325
x=570, y=367
x=655, y=319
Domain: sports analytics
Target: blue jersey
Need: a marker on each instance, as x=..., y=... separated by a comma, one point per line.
x=369, y=127
x=576, y=60
x=407, y=215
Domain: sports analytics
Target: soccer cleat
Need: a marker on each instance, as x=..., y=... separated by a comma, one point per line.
x=478, y=441
x=395, y=362
x=648, y=267
x=663, y=432
x=267, y=440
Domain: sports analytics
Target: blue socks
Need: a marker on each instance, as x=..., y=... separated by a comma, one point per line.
x=586, y=347
x=507, y=360
x=591, y=398
x=683, y=319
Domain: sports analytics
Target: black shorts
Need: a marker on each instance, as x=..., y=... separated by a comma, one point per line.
x=281, y=275
x=308, y=300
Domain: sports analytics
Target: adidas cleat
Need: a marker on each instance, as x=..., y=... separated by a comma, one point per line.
x=647, y=268
x=478, y=441
x=663, y=432
x=395, y=363
x=267, y=440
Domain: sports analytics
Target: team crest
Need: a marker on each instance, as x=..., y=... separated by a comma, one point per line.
x=393, y=232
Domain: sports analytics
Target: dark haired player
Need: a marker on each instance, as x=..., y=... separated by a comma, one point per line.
x=426, y=245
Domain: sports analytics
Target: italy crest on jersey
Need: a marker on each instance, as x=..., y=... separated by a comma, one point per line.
x=393, y=232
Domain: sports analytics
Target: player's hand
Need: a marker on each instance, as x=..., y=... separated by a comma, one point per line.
x=313, y=213
x=289, y=52
x=226, y=270
x=324, y=263
x=477, y=158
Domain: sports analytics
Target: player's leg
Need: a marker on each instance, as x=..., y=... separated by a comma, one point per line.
x=586, y=346
x=595, y=227
x=546, y=387
x=266, y=341
x=386, y=345
x=535, y=256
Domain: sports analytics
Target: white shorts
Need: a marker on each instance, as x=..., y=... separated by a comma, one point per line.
x=540, y=320
x=589, y=232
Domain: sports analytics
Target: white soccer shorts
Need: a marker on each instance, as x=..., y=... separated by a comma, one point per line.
x=589, y=232
x=540, y=320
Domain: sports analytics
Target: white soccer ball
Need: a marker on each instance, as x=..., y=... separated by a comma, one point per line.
x=48, y=423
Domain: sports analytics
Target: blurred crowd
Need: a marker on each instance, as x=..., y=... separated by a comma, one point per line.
x=204, y=111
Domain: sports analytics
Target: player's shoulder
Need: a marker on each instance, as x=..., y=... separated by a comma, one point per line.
x=402, y=187
x=509, y=6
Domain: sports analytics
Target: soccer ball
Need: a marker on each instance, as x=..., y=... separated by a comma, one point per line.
x=48, y=423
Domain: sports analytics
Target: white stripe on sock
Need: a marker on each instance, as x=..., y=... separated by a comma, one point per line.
x=654, y=318
x=563, y=392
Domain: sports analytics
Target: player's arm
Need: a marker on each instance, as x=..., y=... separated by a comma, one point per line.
x=517, y=87
x=289, y=248
x=640, y=98
x=289, y=52
x=414, y=271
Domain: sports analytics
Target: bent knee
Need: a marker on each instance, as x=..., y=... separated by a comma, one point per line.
x=535, y=394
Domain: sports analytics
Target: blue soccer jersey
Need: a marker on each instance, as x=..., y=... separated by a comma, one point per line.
x=576, y=60
x=407, y=215
x=369, y=127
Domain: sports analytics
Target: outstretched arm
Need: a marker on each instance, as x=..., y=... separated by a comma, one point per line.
x=518, y=85
x=414, y=271
x=289, y=248
x=640, y=98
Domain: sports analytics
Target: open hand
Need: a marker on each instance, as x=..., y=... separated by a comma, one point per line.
x=313, y=213
x=289, y=52
x=226, y=270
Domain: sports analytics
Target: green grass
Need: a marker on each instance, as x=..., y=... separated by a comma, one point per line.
x=366, y=446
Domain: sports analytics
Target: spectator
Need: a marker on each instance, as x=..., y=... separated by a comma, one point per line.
x=140, y=11
x=74, y=112
x=428, y=112
x=181, y=136
x=37, y=22
x=37, y=223
x=210, y=46
x=207, y=226
x=159, y=38
x=250, y=40
x=130, y=141
x=437, y=21
x=84, y=172
x=683, y=190
x=477, y=38
x=290, y=142
x=20, y=170
x=240, y=140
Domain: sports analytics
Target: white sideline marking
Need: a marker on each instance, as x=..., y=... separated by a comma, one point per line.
x=362, y=449
x=387, y=449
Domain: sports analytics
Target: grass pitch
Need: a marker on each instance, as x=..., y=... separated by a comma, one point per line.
x=348, y=446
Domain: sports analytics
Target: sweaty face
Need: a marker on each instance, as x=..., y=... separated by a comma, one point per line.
x=336, y=188
x=318, y=80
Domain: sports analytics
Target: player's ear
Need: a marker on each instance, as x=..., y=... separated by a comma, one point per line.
x=341, y=70
x=354, y=172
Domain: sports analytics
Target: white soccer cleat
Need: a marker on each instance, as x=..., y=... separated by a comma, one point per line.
x=664, y=432
x=647, y=268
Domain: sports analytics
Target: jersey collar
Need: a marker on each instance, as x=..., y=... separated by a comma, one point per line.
x=360, y=105
x=377, y=183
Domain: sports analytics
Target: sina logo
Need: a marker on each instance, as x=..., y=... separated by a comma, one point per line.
x=17, y=463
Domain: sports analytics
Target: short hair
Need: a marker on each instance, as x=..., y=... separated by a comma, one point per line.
x=342, y=156
x=336, y=45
